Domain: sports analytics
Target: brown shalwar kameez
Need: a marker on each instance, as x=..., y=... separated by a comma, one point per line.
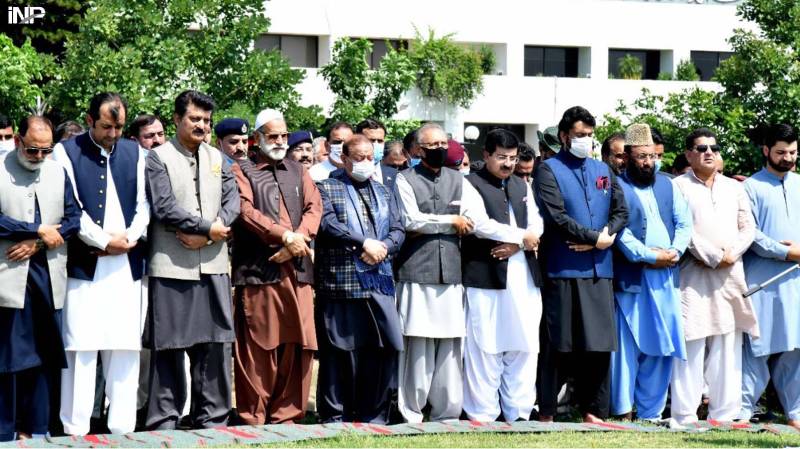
x=274, y=309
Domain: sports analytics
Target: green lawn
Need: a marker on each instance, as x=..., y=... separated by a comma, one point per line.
x=558, y=439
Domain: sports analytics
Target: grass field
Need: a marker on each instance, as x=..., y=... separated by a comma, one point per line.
x=559, y=439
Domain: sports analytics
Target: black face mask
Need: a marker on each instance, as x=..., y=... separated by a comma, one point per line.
x=435, y=157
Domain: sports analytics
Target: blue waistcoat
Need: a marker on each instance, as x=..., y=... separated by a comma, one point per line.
x=628, y=275
x=587, y=204
x=89, y=167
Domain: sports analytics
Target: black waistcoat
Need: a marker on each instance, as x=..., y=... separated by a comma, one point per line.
x=481, y=270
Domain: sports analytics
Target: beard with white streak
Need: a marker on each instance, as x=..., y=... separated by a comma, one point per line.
x=27, y=164
x=271, y=150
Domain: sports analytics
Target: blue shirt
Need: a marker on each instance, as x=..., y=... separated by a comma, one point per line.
x=775, y=203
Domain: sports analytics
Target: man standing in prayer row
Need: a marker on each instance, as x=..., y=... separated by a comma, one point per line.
x=712, y=285
x=774, y=194
x=429, y=291
x=583, y=208
x=274, y=278
x=102, y=312
x=357, y=321
x=193, y=199
x=501, y=277
x=649, y=323
x=38, y=212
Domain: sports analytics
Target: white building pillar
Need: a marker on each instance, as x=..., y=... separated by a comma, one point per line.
x=599, y=58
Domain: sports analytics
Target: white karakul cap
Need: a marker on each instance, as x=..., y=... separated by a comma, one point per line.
x=266, y=116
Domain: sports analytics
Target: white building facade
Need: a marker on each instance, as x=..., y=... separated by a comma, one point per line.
x=551, y=54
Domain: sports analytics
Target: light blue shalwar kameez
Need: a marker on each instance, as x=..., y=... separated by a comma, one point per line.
x=649, y=323
x=776, y=208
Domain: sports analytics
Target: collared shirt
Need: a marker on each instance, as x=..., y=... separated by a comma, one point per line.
x=712, y=297
x=776, y=209
x=322, y=170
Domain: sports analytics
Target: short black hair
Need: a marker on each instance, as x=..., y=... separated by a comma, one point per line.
x=337, y=125
x=70, y=126
x=28, y=121
x=574, y=115
x=525, y=153
x=194, y=97
x=98, y=100
x=369, y=124
x=605, y=149
x=769, y=135
x=500, y=138
x=140, y=122
x=658, y=139
x=390, y=146
x=410, y=140
x=5, y=122
x=696, y=134
x=680, y=163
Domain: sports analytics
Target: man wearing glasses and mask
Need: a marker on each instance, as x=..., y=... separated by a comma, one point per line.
x=38, y=213
x=712, y=285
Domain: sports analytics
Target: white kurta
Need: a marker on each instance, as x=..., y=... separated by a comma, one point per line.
x=105, y=313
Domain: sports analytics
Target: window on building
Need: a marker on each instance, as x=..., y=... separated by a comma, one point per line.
x=551, y=61
x=650, y=60
x=301, y=51
x=379, y=50
x=707, y=62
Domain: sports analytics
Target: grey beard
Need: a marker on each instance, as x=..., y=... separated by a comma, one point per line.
x=26, y=164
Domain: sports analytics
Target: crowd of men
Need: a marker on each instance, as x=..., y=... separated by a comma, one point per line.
x=421, y=282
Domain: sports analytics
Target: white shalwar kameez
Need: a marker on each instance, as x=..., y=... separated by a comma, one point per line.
x=103, y=317
x=502, y=342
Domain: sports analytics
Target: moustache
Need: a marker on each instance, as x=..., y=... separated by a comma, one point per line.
x=305, y=159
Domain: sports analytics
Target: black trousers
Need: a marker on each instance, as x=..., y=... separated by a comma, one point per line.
x=24, y=399
x=590, y=371
x=357, y=385
x=211, y=366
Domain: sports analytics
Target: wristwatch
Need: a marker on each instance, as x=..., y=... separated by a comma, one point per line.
x=39, y=244
x=289, y=239
x=522, y=245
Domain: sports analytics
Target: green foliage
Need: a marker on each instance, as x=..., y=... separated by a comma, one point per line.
x=761, y=84
x=360, y=92
x=62, y=19
x=151, y=50
x=22, y=70
x=488, y=59
x=630, y=67
x=397, y=129
x=664, y=76
x=447, y=72
x=306, y=118
x=687, y=71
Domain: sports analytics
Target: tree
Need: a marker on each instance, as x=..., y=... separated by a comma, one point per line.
x=22, y=71
x=48, y=35
x=447, y=72
x=149, y=51
x=360, y=92
x=760, y=85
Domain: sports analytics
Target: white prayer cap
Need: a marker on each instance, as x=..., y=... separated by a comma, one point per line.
x=266, y=116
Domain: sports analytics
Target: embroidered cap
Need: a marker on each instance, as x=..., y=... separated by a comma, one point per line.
x=638, y=134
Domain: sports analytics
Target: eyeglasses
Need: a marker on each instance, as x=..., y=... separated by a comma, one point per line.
x=503, y=158
x=704, y=148
x=644, y=157
x=433, y=145
x=33, y=151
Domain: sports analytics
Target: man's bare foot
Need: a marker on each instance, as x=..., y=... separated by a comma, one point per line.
x=589, y=418
x=23, y=436
x=794, y=423
x=545, y=418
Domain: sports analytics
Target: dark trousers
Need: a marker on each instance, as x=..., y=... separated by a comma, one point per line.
x=210, y=386
x=591, y=374
x=357, y=385
x=24, y=398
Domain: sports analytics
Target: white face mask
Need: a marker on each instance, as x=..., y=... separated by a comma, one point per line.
x=7, y=146
x=464, y=171
x=363, y=170
x=336, y=153
x=271, y=150
x=581, y=147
